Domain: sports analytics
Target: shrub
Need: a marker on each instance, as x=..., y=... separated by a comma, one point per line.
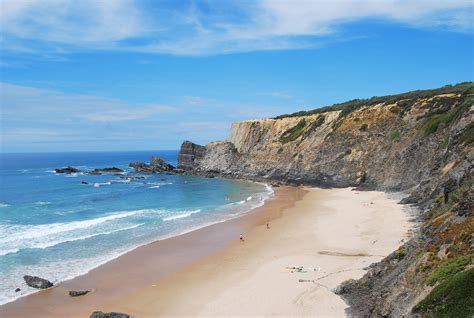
x=452, y=298
x=293, y=133
x=395, y=135
x=343, y=154
x=400, y=253
x=433, y=122
x=468, y=135
x=364, y=127
x=449, y=268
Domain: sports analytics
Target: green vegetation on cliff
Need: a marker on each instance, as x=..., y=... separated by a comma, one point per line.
x=449, y=268
x=349, y=106
x=293, y=133
x=454, y=297
x=433, y=122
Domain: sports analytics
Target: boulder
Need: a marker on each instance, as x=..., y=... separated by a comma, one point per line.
x=101, y=314
x=37, y=282
x=76, y=293
x=67, y=170
x=17, y=290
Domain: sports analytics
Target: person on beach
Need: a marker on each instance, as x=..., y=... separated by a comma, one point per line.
x=241, y=238
x=268, y=226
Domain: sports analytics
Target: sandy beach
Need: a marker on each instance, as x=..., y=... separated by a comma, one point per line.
x=209, y=272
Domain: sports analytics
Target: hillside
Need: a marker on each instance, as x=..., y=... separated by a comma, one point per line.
x=419, y=142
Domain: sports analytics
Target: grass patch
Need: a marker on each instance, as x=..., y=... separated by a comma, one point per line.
x=395, y=135
x=401, y=253
x=433, y=122
x=449, y=268
x=343, y=154
x=468, y=135
x=452, y=298
x=293, y=133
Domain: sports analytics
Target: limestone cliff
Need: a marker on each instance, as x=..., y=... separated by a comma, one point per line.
x=419, y=142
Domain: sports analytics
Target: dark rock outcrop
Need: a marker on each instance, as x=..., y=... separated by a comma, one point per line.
x=77, y=293
x=105, y=170
x=17, y=290
x=157, y=165
x=67, y=170
x=101, y=314
x=37, y=282
x=189, y=155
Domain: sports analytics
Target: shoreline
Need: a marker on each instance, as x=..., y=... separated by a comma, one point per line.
x=263, y=199
x=214, y=274
x=41, y=303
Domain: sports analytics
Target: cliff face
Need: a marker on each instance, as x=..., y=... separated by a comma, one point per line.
x=189, y=155
x=387, y=146
x=419, y=142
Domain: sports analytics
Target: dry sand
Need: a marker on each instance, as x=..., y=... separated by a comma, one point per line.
x=209, y=272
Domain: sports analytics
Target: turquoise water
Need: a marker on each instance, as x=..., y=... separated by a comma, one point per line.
x=53, y=226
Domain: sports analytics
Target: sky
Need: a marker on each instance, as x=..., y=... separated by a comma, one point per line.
x=106, y=75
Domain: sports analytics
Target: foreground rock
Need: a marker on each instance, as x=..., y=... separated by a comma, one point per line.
x=37, y=282
x=77, y=293
x=157, y=165
x=101, y=314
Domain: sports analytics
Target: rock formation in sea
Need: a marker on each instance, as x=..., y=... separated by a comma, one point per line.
x=189, y=156
x=37, y=282
x=419, y=142
x=157, y=165
x=70, y=170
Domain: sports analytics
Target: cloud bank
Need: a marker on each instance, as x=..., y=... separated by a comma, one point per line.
x=207, y=27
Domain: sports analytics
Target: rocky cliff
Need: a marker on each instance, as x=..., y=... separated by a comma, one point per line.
x=418, y=142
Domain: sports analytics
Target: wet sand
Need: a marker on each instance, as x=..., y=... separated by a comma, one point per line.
x=209, y=272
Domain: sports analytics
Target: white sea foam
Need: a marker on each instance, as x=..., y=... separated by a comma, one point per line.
x=154, y=187
x=43, y=203
x=180, y=216
x=99, y=184
x=11, y=233
x=4, y=205
x=53, y=242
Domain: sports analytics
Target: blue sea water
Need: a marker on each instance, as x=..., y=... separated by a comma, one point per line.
x=53, y=226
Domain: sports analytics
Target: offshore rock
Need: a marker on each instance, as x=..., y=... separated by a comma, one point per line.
x=37, y=282
x=189, y=156
x=105, y=170
x=67, y=170
x=101, y=314
x=157, y=165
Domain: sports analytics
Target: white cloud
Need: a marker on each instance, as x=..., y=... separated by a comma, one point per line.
x=22, y=103
x=59, y=26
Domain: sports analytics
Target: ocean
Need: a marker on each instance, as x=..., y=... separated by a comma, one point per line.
x=57, y=227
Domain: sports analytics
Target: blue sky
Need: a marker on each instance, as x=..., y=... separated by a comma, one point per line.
x=132, y=75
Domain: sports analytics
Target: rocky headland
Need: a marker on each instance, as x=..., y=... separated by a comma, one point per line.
x=419, y=142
